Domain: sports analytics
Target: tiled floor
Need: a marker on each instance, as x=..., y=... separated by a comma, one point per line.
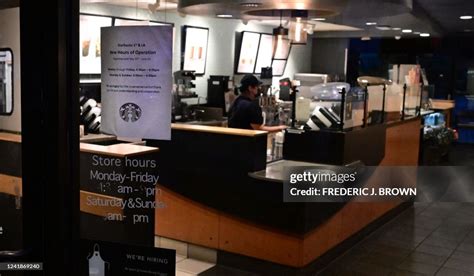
x=191, y=260
x=427, y=239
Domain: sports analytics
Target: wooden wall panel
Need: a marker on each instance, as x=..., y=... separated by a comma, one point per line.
x=186, y=220
x=322, y=239
x=10, y=185
x=403, y=144
x=250, y=240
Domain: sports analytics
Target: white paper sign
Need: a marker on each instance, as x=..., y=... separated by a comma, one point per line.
x=137, y=81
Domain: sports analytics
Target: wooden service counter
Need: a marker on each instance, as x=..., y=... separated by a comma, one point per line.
x=215, y=198
x=10, y=191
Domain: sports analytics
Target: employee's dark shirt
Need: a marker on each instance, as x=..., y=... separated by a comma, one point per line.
x=245, y=112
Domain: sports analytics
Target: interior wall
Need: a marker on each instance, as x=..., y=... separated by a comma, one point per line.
x=10, y=38
x=221, y=46
x=328, y=56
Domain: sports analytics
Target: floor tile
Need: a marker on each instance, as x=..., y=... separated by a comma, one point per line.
x=426, y=258
x=180, y=247
x=179, y=258
x=434, y=250
x=390, y=250
x=452, y=272
x=452, y=237
x=463, y=265
x=466, y=247
x=181, y=273
x=157, y=241
x=219, y=270
x=202, y=253
x=434, y=241
x=369, y=269
x=460, y=255
x=382, y=259
x=419, y=267
x=193, y=266
x=400, y=272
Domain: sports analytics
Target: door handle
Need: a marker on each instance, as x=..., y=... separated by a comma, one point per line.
x=14, y=255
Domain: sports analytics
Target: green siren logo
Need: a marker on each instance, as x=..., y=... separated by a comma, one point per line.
x=130, y=112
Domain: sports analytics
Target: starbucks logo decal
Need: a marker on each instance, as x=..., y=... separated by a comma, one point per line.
x=130, y=112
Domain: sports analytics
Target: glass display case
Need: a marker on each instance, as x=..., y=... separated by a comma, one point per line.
x=322, y=104
x=391, y=101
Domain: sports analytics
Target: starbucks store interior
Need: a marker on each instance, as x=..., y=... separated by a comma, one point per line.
x=192, y=111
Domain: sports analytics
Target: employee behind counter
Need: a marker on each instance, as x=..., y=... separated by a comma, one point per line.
x=245, y=112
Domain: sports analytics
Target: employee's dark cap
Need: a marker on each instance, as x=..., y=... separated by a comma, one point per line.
x=250, y=80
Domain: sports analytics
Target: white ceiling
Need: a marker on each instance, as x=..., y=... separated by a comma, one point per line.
x=437, y=17
x=171, y=5
x=141, y=4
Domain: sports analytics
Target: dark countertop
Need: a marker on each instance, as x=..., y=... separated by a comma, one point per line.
x=275, y=170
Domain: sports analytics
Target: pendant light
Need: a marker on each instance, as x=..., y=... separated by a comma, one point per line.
x=298, y=34
x=280, y=35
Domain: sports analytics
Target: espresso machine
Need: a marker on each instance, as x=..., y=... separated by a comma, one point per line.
x=267, y=100
x=183, y=89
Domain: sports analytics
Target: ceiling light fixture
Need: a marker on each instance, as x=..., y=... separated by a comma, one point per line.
x=407, y=31
x=417, y=33
x=397, y=37
x=425, y=35
x=365, y=38
x=371, y=23
x=466, y=17
x=383, y=27
x=297, y=33
x=251, y=5
x=319, y=19
x=224, y=15
x=396, y=29
x=279, y=35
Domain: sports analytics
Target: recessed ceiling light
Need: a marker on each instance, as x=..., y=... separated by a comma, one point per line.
x=425, y=35
x=466, y=17
x=251, y=5
x=365, y=38
x=224, y=15
x=383, y=27
x=319, y=19
x=396, y=29
x=407, y=31
x=371, y=23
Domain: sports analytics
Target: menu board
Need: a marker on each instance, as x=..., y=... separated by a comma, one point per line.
x=248, y=53
x=195, y=49
x=137, y=81
x=128, y=22
x=264, y=57
x=90, y=47
x=278, y=66
x=282, y=49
